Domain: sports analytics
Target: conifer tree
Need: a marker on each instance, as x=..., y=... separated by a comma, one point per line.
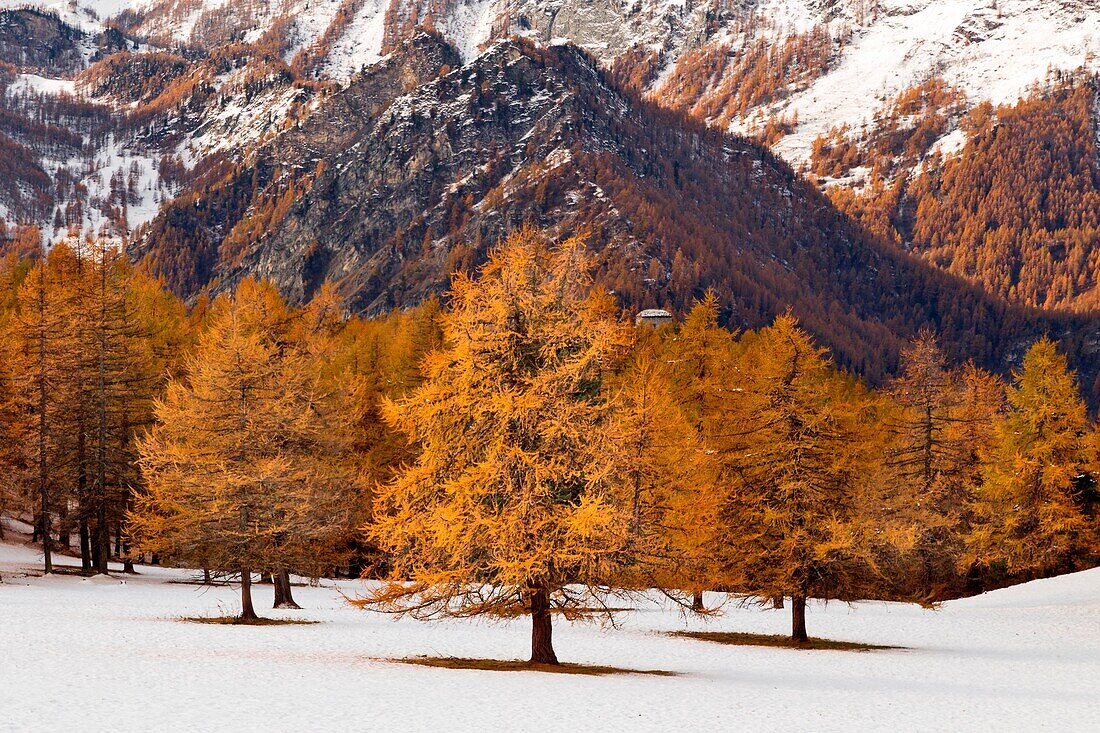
x=1029, y=517
x=16, y=429
x=666, y=478
x=246, y=470
x=790, y=523
x=95, y=338
x=981, y=405
x=924, y=466
x=16, y=435
x=514, y=500
x=700, y=353
x=41, y=372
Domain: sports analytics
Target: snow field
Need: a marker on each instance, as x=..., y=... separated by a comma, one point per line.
x=103, y=654
x=993, y=50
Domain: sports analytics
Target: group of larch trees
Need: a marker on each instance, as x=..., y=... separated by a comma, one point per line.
x=525, y=449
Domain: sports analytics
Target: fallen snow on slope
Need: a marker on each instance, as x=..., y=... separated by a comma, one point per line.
x=86, y=15
x=468, y=24
x=311, y=20
x=994, y=49
x=94, y=168
x=1024, y=658
x=361, y=43
x=41, y=85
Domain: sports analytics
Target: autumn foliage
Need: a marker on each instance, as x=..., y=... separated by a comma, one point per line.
x=523, y=448
x=518, y=491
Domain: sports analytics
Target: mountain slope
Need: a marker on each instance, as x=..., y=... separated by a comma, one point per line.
x=427, y=184
x=270, y=145
x=798, y=74
x=35, y=40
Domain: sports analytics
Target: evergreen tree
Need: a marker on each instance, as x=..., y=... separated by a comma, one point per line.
x=924, y=468
x=42, y=368
x=665, y=480
x=700, y=353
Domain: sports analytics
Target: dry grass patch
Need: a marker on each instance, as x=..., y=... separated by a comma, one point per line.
x=517, y=665
x=778, y=640
x=237, y=621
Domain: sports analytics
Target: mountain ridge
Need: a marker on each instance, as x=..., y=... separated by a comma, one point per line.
x=536, y=135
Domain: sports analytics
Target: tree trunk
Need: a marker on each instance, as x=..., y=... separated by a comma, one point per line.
x=542, y=642
x=85, y=545
x=102, y=534
x=101, y=543
x=95, y=548
x=798, y=618
x=206, y=576
x=248, y=613
x=63, y=525
x=43, y=477
x=697, y=602
x=283, y=597
x=127, y=557
x=777, y=601
x=102, y=552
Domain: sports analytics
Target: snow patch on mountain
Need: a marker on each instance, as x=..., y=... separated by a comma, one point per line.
x=41, y=85
x=468, y=25
x=87, y=15
x=311, y=20
x=361, y=43
x=992, y=49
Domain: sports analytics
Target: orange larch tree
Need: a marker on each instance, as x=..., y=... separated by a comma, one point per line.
x=516, y=500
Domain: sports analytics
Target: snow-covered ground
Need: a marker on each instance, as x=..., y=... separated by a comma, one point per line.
x=111, y=654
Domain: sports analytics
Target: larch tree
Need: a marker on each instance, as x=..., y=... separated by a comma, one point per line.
x=925, y=461
x=16, y=426
x=1028, y=512
x=665, y=479
x=374, y=360
x=95, y=339
x=700, y=357
x=16, y=437
x=246, y=468
x=130, y=331
x=515, y=500
x=42, y=368
x=789, y=523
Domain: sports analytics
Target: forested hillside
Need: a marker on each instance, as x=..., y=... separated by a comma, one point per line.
x=383, y=145
x=543, y=136
x=1013, y=209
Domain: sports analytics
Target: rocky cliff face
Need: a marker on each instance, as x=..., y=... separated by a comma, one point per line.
x=234, y=202
x=37, y=41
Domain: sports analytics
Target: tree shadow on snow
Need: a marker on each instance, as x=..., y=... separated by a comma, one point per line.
x=517, y=665
x=778, y=640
